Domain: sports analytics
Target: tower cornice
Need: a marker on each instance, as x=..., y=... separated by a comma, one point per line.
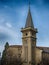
x=29, y=29
x=29, y=37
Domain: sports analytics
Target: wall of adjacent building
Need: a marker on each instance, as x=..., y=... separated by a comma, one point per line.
x=45, y=57
x=38, y=55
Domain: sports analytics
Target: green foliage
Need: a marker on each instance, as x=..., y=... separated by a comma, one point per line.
x=3, y=59
x=6, y=45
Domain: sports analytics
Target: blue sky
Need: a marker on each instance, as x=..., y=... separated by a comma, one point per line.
x=13, y=14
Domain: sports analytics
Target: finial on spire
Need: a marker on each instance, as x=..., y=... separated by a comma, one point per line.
x=29, y=4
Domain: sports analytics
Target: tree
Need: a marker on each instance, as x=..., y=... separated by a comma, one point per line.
x=6, y=45
x=3, y=59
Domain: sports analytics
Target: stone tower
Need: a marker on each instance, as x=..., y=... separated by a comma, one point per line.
x=29, y=41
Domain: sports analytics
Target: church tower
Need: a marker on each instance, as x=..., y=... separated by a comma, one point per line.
x=29, y=41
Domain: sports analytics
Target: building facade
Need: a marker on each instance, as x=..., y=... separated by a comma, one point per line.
x=29, y=53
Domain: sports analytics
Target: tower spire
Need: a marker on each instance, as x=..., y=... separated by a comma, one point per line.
x=29, y=41
x=29, y=22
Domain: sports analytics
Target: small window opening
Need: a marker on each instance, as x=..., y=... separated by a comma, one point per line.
x=26, y=34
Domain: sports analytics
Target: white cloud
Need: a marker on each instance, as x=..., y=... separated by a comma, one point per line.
x=1, y=49
x=13, y=36
x=7, y=31
x=8, y=25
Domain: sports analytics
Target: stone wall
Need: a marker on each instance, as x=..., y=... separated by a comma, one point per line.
x=38, y=55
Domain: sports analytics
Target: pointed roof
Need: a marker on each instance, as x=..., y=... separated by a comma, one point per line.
x=29, y=22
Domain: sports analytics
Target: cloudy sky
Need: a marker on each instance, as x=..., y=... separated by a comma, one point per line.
x=13, y=14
